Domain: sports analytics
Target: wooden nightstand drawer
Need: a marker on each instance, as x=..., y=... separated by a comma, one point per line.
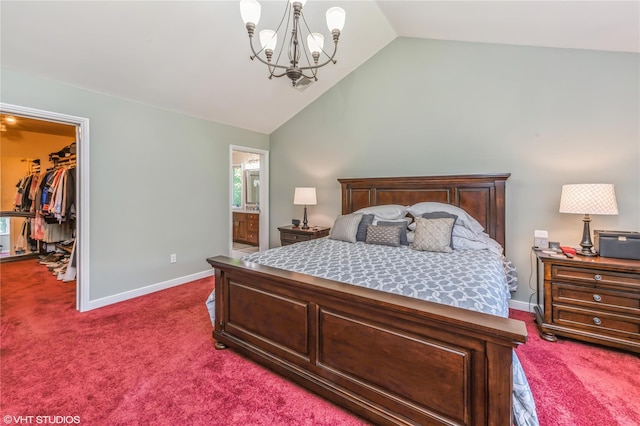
x=596, y=298
x=596, y=277
x=291, y=234
x=597, y=322
x=294, y=238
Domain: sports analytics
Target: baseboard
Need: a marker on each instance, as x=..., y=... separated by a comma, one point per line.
x=121, y=297
x=521, y=306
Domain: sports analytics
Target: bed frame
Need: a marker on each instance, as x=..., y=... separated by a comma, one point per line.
x=387, y=358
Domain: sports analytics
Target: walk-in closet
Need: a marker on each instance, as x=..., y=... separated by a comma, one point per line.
x=38, y=193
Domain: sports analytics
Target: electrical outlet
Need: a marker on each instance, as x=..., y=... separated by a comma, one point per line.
x=174, y=259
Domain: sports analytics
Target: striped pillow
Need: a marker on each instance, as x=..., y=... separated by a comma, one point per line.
x=345, y=227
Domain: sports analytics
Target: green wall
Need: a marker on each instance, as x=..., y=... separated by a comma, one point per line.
x=159, y=180
x=422, y=107
x=159, y=183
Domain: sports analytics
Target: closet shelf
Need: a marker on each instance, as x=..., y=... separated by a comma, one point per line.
x=64, y=248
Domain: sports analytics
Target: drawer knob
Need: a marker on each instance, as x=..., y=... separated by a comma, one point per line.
x=597, y=298
x=597, y=321
x=597, y=277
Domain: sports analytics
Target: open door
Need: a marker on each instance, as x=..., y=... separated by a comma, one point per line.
x=81, y=248
x=249, y=200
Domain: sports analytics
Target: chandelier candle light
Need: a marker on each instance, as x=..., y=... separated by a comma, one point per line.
x=250, y=11
x=305, y=197
x=591, y=198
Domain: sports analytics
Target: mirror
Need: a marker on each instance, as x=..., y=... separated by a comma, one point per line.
x=252, y=189
x=15, y=229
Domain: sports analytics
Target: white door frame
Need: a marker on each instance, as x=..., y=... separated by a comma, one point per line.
x=264, y=195
x=82, y=190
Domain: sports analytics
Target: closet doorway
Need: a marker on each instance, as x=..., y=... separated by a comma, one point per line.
x=249, y=200
x=35, y=143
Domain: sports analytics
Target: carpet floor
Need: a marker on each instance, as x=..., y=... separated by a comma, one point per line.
x=148, y=360
x=580, y=384
x=151, y=360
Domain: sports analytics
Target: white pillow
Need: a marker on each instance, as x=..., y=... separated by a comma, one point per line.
x=464, y=218
x=477, y=244
x=461, y=231
x=385, y=212
x=345, y=227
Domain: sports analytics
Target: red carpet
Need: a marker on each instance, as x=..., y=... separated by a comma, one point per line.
x=145, y=361
x=151, y=360
x=579, y=384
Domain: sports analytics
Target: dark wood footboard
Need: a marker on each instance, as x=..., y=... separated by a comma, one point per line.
x=388, y=358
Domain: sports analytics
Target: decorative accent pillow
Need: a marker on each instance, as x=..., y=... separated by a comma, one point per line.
x=345, y=227
x=384, y=235
x=387, y=211
x=433, y=234
x=440, y=215
x=403, y=229
x=464, y=218
x=367, y=219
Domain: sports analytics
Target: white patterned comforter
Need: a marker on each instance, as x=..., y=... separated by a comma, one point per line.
x=479, y=280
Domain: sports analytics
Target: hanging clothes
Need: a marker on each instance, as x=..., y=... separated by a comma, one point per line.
x=57, y=195
x=51, y=196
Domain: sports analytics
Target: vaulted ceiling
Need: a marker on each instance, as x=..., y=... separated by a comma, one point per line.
x=193, y=57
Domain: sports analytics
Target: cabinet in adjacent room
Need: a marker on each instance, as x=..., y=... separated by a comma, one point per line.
x=246, y=228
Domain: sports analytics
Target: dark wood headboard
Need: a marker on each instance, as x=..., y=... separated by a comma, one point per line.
x=482, y=196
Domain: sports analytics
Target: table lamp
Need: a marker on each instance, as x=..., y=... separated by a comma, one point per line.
x=305, y=197
x=587, y=199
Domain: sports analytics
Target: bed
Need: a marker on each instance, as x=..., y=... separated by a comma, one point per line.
x=390, y=358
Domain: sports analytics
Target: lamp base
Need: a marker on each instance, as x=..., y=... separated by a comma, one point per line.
x=586, y=243
x=587, y=253
x=305, y=224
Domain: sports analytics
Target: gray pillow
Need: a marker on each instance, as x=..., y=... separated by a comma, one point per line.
x=433, y=234
x=442, y=215
x=403, y=229
x=345, y=228
x=383, y=235
x=367, y=219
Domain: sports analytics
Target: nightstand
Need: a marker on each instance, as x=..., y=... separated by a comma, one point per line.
x=294, y=234
x=594, y=299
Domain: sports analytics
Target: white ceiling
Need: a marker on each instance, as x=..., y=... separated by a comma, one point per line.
x=193, y=57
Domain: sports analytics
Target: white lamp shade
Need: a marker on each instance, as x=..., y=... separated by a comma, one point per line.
x=250, y=11
x=305, y=197
x=335, y=18
x=588, y=198
x=268, y=39
x=315, y=42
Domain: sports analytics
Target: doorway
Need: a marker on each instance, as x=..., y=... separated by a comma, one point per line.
x=81, y=126
x=249, y=200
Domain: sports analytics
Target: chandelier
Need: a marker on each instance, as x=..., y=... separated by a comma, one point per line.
x=295, y=70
